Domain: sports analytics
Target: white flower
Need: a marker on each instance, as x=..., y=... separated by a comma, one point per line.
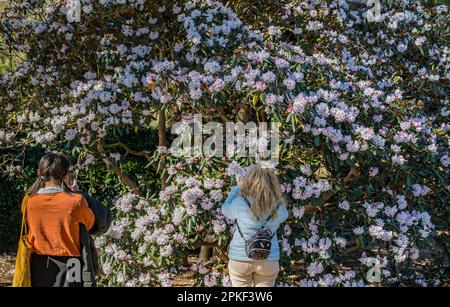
x=344, y=205
x=70, y=134
x=314, y=269
x=358, y=230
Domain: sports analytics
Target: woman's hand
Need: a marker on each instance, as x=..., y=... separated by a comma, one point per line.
x=71, y=181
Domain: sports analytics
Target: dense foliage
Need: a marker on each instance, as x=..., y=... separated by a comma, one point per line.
x=363, y=109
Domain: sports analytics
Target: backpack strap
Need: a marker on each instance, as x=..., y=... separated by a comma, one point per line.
x=265, y=222
x=240, y=231
x=250, y=206
x=247, y=202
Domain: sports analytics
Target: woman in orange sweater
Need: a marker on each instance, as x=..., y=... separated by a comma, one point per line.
x=54, y=214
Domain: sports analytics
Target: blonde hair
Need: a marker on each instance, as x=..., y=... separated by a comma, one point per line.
x=262, y=185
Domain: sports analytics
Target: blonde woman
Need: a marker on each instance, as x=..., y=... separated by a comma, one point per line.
x=258, y=208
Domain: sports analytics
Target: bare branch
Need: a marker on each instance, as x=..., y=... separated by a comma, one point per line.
x=113, y=167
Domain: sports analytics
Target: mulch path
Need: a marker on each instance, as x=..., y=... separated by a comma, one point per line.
x=7, y=262
x=185, y=279
x=8, y=258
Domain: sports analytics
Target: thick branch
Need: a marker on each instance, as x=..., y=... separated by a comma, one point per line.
x=244, y=113
x=113, y=167
x=146, y=154
x=354, y=173
x=222, y=115
x=162, y=128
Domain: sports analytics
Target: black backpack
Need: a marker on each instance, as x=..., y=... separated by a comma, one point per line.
x=259, y=245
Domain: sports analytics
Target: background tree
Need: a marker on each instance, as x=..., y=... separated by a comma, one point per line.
x=363, y=110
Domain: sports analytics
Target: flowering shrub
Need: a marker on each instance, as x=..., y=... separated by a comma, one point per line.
x=363, y=110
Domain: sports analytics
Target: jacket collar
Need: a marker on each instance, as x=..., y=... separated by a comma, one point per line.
x=50, y=190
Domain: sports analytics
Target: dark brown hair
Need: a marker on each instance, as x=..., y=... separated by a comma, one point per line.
x=54, y=167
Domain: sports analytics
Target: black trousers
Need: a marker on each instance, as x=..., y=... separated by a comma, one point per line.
x=55, y=271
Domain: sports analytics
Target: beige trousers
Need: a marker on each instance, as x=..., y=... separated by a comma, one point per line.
x=258, y=273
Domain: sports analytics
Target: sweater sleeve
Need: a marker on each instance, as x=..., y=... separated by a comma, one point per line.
x=85, y=214
x=229, y=206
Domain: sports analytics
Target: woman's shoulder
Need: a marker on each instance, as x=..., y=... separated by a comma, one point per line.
x=283, y=212
x=70, y=197
x=235, y=188
x=243, y=204
x=282, y=205
x=77, y=198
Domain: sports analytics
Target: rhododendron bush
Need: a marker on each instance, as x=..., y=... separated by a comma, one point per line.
x=362, y=108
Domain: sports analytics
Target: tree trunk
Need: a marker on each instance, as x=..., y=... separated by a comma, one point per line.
x=162, y=141
x=186, y=259
x=206, y=251
x=162, y=128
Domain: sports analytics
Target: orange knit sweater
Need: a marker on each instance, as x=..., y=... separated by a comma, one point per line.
x=53, y=223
